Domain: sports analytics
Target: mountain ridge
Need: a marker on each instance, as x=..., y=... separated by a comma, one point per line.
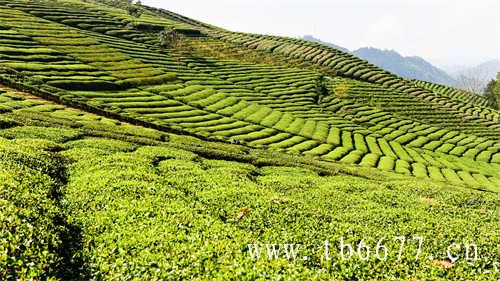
x=412, y=67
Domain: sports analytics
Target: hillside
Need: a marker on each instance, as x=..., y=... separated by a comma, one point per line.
x=125, y=159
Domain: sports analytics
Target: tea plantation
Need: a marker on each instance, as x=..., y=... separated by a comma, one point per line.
x=125, y=159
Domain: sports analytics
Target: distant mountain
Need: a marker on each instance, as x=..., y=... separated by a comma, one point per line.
x=453, y=64
x=408, y=67
x=313, y=39
x=476, y=78
x=488, y=69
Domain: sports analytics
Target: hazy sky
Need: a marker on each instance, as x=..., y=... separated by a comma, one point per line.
x=442, y=31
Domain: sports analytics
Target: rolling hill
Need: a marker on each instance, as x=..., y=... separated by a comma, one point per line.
x=125, y=158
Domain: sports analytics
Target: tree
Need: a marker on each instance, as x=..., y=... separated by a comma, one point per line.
x=169, y=38
x=135, y=10
x=122, y=4
x=321, y=89
x=472, y=81
x=496, y=93
x=492, y=91
x=488, y=91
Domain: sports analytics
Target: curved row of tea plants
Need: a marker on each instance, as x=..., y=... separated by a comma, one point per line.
x=455, y=93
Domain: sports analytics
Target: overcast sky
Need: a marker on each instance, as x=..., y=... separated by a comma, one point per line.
x=442, y=31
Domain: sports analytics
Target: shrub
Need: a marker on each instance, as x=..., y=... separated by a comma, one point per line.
x=257, y=115
x=471, y=153
x=288, y=142
x=143, y=81
x=347, y=140
x=210, y=100
x=227, y=102
x=261, y=134
x=353, y=157
x=467, y=178
x=435, y=173
x=165, y=152
x=320, y=150
x=321, y=131
x=6, y=123
x=164, y=88
x=271, y=119
x=406, y=138
x=400, y=151
x=419, y=142
x=109, y=145
x=270, y=140
x=304, y=146
x=386, y=163
x=419, y=170
x=437, y=135
x=38, y=144
x=432, y=161
x=433, y=145
x=31, y=236
x=451, y=176
x=242, y=112
x=372, y=145
x=495, y=158
x=49, y=67
x=27, y=51
x=458, y=150
x=337, y=153
x=359, y=143
x=231, y=110
x=484, y=156
x=402, y=167
x=386, y=148
x=194, y=95
x=370, y=160
x=485, y=144
x=134, y=10
x=334, y=136
x=77, y=85
x=485, y=182
x=296, y=126
x=415, y=155
x=394, y=134
x=54, y=134
x=445, y=148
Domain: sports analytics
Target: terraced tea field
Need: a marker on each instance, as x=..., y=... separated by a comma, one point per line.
x=132, y=161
